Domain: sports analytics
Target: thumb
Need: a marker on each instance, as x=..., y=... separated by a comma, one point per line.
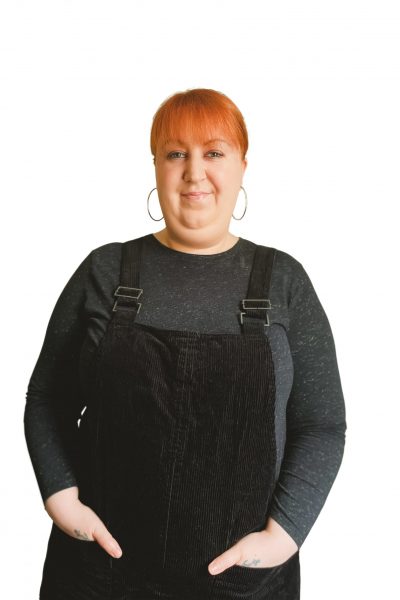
x=225, y=560
x=104, y=538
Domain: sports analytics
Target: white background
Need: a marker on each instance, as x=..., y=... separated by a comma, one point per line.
x=319, y=86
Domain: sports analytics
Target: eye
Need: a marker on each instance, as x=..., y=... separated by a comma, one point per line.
x=174, y=154
x=171, y=154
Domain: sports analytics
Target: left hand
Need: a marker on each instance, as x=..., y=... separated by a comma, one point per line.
x=267, y=548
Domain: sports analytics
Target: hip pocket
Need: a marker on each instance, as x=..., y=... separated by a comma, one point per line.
x=64, y=549
x=254, y=579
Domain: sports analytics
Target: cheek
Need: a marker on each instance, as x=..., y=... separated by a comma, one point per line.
x=229, y=175
x=171, y=179
x=227, y=182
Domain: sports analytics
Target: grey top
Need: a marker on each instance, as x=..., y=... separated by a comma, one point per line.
x=310, y=415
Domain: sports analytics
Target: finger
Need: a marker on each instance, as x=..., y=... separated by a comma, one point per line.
x=224, y=561
x=104, y=538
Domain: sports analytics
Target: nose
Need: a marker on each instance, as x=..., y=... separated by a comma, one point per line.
x=194, y=169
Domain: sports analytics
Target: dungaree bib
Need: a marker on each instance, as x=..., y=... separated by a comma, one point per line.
x=178, y=455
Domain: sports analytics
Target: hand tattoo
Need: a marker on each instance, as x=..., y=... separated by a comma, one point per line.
x=254, y=562
x=82, y=536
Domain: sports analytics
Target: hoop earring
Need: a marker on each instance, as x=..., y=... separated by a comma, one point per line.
x=148, y=198
x=245, y=208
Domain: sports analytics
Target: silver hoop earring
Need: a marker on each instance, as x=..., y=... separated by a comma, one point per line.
x=245, y=208
x=148, y=198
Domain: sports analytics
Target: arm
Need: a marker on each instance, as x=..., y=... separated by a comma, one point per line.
x=315, y=416
x=52, y=408
x=52, y=399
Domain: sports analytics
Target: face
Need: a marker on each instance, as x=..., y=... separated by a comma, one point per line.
x=213, y=171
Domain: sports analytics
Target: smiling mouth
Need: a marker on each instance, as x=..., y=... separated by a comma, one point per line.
x=196, y=195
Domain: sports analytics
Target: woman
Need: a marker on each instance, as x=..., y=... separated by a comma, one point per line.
x=185, y=418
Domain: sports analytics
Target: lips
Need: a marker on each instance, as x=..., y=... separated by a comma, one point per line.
x=195, y=194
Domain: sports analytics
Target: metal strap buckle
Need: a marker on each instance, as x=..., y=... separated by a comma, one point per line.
x=123, y=290
x=257, y=306
x=246, y=303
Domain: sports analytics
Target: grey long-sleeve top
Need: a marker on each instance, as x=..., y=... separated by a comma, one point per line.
x=310, y=419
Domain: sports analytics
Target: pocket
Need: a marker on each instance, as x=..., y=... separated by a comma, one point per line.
x=72, y=544
x=282, y=564
x=252, y=579
x=66, y=538
x=74, y=568
x=63, y=551
x=76, y=550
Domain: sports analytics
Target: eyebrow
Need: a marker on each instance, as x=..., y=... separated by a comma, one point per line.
x=217, y=140
x=207, y=142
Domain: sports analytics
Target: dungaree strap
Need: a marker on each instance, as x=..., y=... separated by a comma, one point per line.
x=254, y=313
x=127, y=305
x=254, y=308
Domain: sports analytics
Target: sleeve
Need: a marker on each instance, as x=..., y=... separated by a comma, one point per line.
x=52, y=399
x=315, y=415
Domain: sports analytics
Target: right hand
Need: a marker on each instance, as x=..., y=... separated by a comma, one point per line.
x=79, y=520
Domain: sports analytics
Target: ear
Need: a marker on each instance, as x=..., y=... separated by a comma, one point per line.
x=244, y=164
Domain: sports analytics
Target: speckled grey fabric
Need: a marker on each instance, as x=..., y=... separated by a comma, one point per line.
x=201, y=293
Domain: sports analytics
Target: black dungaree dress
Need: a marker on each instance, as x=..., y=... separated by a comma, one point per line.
x=178, y=456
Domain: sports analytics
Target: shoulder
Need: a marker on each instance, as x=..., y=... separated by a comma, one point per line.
x=282, y=259
x=287, y=263
x=103, y=269
x=287, y=271
x=107, y=251
x=288, y=277
x=290, y=286
x=110, y=253
x=105, y=266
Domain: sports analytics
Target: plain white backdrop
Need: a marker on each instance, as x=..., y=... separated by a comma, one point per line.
x=319, y=86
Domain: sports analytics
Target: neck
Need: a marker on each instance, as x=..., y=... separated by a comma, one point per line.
x=193, y=246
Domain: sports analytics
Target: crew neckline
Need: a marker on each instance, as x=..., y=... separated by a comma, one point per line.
x=225, y=253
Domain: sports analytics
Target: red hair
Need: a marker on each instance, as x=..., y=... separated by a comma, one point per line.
x=199, y=114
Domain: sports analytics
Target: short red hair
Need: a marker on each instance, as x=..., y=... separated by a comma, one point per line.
x=198, y=113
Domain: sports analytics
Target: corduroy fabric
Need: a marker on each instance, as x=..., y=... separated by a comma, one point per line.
x=179, y=456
